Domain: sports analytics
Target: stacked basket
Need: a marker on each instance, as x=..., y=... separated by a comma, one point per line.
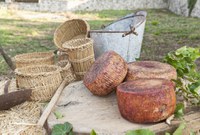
x=71, y=39
x=70, y=30
x=36, y=71
x=43, y=80
x=81, y=55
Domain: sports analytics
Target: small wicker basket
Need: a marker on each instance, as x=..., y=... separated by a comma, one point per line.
x=42, y=79
x=71, y=29
x=62, y=55
x=66, y=71
x=81, y=55
x=36, y=58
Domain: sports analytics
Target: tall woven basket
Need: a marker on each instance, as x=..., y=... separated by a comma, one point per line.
x=81, y=55
x=66, y=70
x=43, y=80
x=36, y=58
x=69, y=30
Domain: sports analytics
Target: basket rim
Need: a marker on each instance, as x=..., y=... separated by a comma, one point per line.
x=67, y=45
x=57, y=70
x=70, y=20
x=22, y=57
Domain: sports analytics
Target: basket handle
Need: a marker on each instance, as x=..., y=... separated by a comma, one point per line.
x=142, y=14
x=132, y=31
x=132, y=28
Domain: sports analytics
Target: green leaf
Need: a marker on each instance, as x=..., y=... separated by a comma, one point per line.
x=194, y=87
x=93, y=132
x=140, y=132
x=183, y=60
x=167, y=133
x=71, y=133
x=179, y=130
x=62, y=129
x=58, y=115
x=192, y=133
x=179, y=111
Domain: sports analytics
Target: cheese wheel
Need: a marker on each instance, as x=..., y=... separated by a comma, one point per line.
x=146, y=100
x=150, y=69
x=107, y=72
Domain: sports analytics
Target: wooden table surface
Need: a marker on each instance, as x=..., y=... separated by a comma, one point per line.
x=86, y=112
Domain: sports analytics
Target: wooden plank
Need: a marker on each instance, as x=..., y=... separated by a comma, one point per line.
x=192, y=120
x=51, y=104
x=86, y=112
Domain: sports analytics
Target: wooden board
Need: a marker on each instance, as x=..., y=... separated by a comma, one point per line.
x=86, y=112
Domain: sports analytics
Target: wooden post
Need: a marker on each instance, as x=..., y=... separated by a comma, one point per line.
x=7, y=58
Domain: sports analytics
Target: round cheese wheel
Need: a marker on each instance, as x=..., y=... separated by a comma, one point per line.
x=150, y=69
x=146, y=100
x=107, y=72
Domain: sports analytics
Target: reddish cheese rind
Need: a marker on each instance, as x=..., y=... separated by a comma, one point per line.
x=150, y=69
x=107, y=72
x=146, y=100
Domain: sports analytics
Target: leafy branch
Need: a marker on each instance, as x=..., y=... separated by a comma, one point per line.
x=188, y=82
x=178, y=131
x=191, y=5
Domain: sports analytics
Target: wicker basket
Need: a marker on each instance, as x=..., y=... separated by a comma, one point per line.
x=71, y=29
x=81, y=55
x=36, y=58
x=66, y=71
x=62, y=55
x=43, y=80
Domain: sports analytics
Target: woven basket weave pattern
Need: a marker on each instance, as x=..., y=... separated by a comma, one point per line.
x=62, y=55
x=44, y=79
x=81, y=55
x=66, y=71
x=36, y=58
x=71, y=29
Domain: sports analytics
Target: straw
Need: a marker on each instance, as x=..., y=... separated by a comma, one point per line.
x=21, y=120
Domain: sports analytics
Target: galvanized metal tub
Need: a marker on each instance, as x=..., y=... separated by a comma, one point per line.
x=111, y=37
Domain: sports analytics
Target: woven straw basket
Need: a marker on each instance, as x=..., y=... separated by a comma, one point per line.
x=36, y=58
x=43, y=80
x=66, y=71
x=81, y=55
x=71, y=29
x=62, y=55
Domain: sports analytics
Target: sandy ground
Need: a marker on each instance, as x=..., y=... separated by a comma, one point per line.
x=55, y=17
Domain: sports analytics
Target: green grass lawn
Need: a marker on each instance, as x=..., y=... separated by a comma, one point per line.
x=164, y=32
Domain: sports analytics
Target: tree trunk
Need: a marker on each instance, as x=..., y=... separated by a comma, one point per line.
x=7, y=58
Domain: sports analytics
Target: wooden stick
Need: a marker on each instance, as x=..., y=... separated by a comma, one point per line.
x=51, y=104
x=7, y=59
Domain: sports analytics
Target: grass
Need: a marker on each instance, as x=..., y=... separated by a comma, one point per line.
x=164, y=32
